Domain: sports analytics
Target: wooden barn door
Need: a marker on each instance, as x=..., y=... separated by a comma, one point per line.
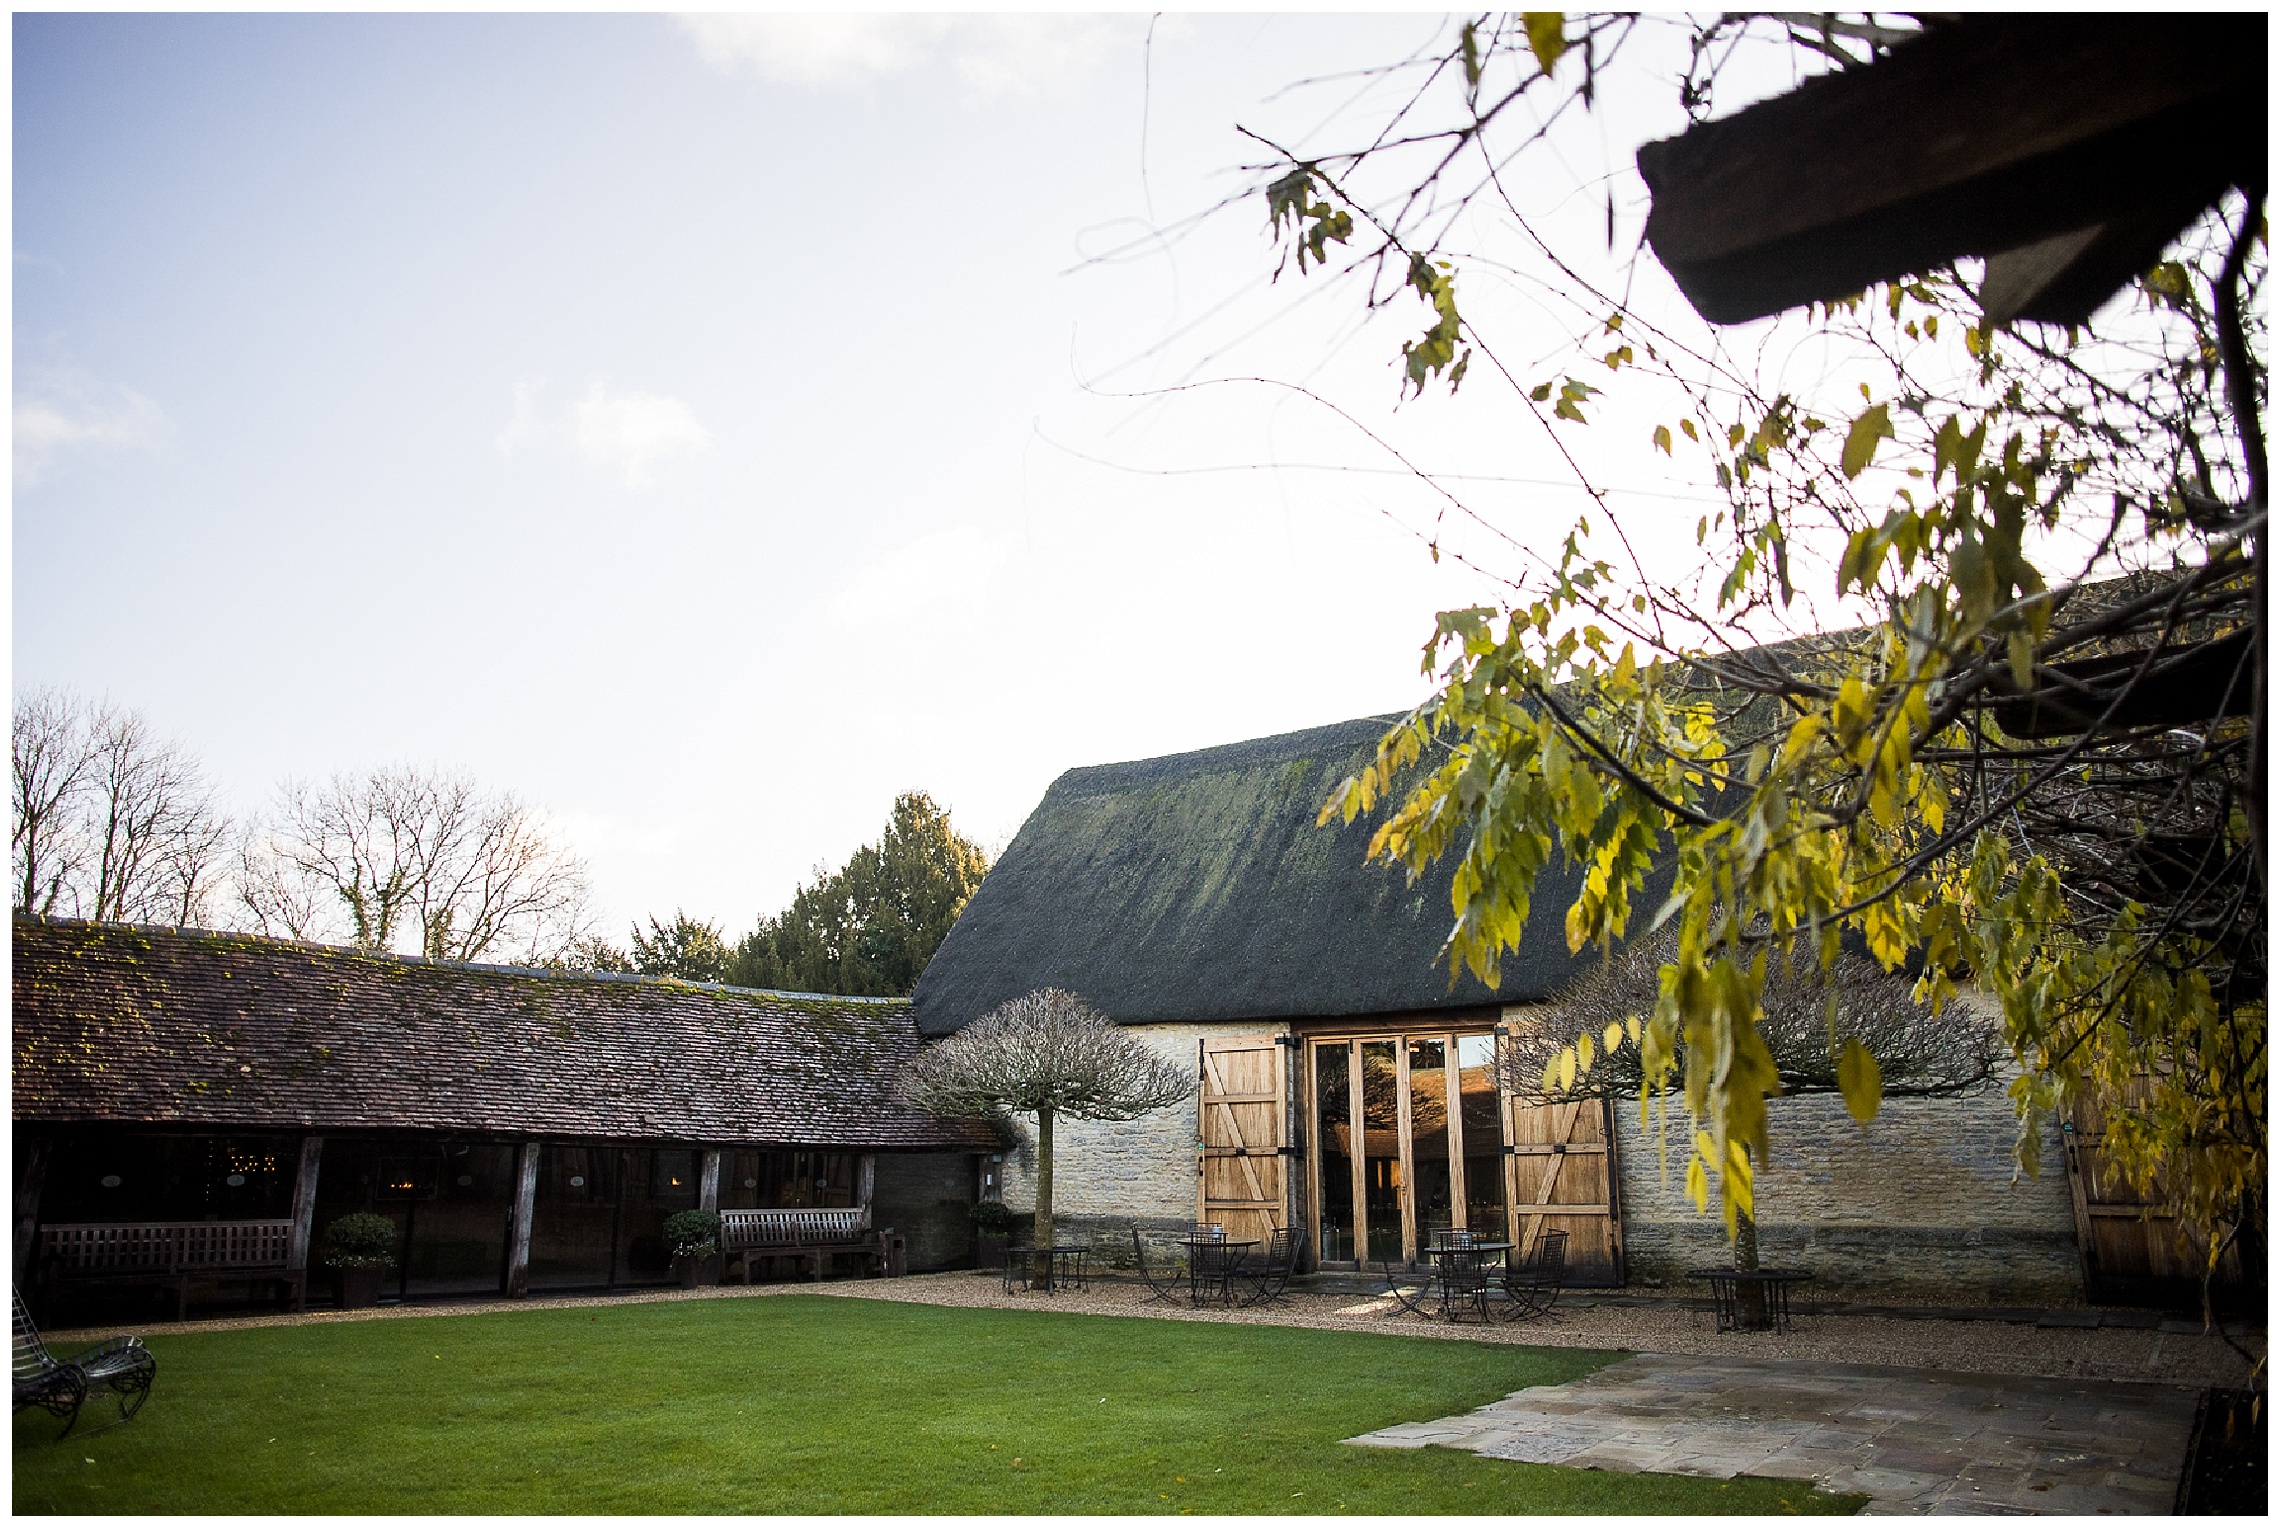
x=1241, y=1182
x=2131, y=1252
x=1561, y=1176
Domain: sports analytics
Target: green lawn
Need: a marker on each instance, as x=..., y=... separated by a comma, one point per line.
x=803, y=1403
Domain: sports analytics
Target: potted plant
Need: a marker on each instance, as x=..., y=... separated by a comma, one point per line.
x=694, y=1236
x=994, y=1226
x=359, y=1248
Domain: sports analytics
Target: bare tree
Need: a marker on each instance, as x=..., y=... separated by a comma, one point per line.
x=48, y=759
x=1049, y=1053
x=401, y=856
x=112, y=822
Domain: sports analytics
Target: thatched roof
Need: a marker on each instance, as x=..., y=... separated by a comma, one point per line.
x=1198, y=888
x=121, y=1024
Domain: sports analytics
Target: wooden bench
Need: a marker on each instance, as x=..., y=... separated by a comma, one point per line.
x=814, y=1235
x=173, y=1253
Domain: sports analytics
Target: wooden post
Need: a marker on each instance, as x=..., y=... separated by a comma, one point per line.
x=304, y=1202
x=304, y=1219
x=708, y=1181
x=31, y=1178
x=526, y=1199
x=866, y=1170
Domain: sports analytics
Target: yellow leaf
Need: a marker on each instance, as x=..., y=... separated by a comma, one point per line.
x=1614, y=1036
x=1567, y=1070
x=1547, y=36
x=1662, y=438
x=2022, y=655
x=1697, y=1184
x=1584, y=1052
x=1859, y=1079
x=1861, y=439
x=1631, y=1027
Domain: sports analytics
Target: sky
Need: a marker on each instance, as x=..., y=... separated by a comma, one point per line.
x=708, y=429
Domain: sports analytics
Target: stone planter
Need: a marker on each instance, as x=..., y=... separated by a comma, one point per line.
x=697, y=1272
x=358, y=1288
x=989, y=1253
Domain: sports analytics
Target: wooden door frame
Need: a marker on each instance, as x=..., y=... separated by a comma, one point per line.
x=1353, y=1037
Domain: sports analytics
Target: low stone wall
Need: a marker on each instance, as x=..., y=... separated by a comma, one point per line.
x=1109, y=1178
x=928, y=1198
x=1919, y=1204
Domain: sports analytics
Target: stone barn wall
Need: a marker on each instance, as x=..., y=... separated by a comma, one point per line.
x=1109, y=1178
x=1919, y=1205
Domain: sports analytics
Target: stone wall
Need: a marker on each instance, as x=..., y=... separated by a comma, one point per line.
x=927, y=1197
x=1919, y=1205
x=1109, y=1178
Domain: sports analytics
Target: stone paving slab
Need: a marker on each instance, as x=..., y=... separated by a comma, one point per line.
x=1911, y=1440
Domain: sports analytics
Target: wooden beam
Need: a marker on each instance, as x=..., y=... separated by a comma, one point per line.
x=304, y=1202
x=1991, y=134
x=866, y=1174
x=31, y=1181
x=708, y=1181
x=518, y=1233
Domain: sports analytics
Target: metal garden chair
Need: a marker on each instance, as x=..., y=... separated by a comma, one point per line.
x=61, y=1386
x=1171, y=1284
x=1532, y=1287
x=1270, y=1277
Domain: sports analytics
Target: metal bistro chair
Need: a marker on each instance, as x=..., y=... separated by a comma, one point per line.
x=1532, y=1287
x=60, y=1386
x=1465, y=1278
x=1168, y=1285
x=1408, y=1288
x=1270, y=1278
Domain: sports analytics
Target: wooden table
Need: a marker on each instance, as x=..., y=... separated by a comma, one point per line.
x=1774, y=1284
x=1213, y=1259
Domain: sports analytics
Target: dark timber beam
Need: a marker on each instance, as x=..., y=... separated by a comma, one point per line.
x=2069, y=149
x=518, y=1231
x=304, y=1210
x=708, y=1181
x=31, y=1180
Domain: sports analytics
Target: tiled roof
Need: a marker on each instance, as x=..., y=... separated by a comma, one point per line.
x=156, y=1025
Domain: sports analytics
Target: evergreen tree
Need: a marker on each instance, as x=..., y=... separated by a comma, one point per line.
x=869, y=928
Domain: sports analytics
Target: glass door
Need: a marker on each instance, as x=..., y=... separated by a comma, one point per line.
x=1408, y=1141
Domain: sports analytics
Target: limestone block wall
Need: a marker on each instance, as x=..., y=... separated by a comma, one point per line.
x=1111, y=1177
x=1921, y=1204
x=927, y=1197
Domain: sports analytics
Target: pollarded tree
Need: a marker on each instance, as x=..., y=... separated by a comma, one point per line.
x=1822, y=1027
x=1049, y=1054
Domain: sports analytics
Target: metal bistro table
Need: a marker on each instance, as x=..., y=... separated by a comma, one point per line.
x=1212, y=1261
x=1063, y=1267
x=1461, y=1272
x=1726, y=1294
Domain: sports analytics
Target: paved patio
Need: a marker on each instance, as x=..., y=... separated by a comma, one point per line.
x=1912, y=1440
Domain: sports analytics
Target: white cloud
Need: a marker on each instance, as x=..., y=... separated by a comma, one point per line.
x=947, y=570
x=990, y=55
x=66, y=412
x=632, y=433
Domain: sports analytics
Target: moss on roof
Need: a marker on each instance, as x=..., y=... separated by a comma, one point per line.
x=1197, y=887
x=114, y=1022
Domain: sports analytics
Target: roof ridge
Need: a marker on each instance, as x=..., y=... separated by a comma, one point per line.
x=185, y=930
